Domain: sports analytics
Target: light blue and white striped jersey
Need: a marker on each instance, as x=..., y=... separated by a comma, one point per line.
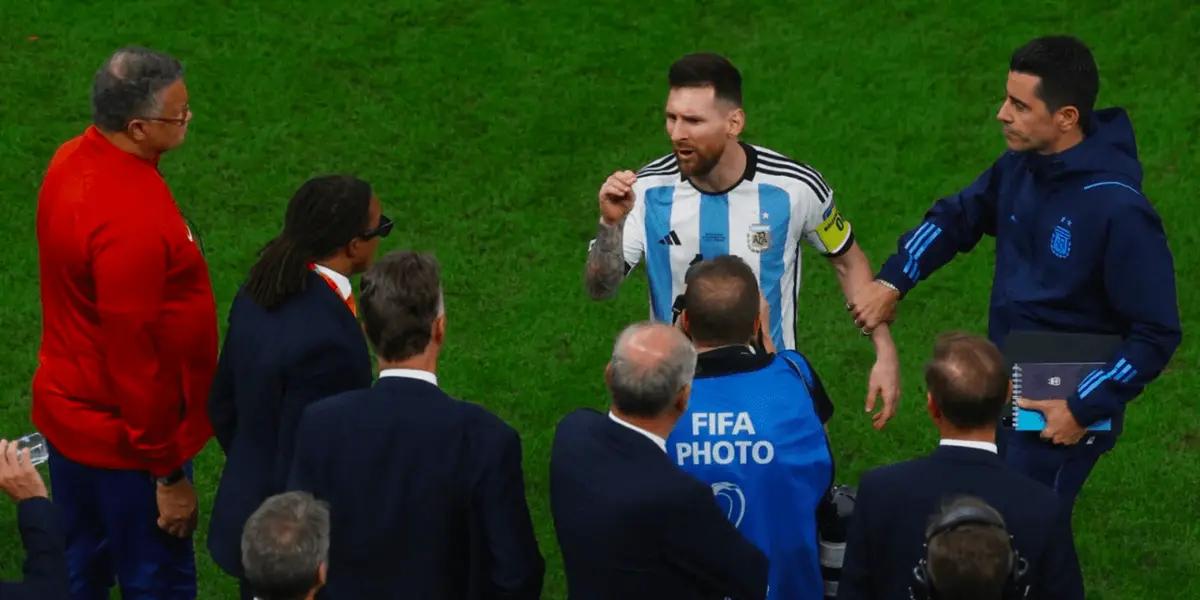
x=761, y=219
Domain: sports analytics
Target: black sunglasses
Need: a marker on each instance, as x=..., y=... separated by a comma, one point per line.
x=385, y=227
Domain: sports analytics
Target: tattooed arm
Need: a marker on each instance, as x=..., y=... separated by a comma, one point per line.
x=606, y=265
x=606, y=261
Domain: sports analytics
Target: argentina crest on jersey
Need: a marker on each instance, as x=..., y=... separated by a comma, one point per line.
x=1060, y=239
x=758, y=239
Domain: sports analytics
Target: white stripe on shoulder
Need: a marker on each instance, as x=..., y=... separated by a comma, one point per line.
x=778, y=161
x=792, y=179
x=658, y=164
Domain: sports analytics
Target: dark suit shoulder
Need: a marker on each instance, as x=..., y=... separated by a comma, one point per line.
x=481, y=417
x=895, y=473
x=490, y=430
x=579, y=417
x=336, y=405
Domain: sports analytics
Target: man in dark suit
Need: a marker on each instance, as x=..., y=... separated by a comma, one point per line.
x=968, y=384
x=631, y=523
x=426, y=492
x=293, y=339
x=45, y=566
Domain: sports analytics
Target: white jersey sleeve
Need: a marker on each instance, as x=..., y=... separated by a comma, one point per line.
x=823, y=227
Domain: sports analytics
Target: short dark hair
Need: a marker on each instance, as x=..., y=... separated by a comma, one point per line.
x=971, y=561
x=968, y=379
x=401, y=298
x=1068, y=73
x=127, y=86
x=284, y=544
x=325, y=214
x=721, y=301
x=705, y=69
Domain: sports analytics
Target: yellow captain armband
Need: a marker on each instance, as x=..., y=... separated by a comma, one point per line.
x=833, y=231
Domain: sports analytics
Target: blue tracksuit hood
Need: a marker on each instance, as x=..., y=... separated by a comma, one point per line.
x=1109, y=148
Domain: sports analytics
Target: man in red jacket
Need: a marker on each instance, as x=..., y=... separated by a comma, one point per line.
x=129, y=338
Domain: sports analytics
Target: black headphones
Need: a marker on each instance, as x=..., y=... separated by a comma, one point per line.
x=1015, y=586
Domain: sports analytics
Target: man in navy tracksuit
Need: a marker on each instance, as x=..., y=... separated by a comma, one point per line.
x=1078, y=249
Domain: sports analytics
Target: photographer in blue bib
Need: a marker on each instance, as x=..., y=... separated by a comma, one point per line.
x=753, y=428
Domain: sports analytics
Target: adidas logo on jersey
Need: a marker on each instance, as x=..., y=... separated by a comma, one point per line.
x=671, y=239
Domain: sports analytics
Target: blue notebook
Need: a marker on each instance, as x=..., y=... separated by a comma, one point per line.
x=1048, y=381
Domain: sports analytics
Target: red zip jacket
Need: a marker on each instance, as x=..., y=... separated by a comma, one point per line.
x=129, y=326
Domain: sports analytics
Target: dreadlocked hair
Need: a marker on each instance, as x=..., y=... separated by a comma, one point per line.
x=325, y=214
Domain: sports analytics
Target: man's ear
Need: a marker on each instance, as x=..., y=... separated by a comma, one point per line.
x=136, y=130
x=1066, y=118
x=682, y=399
x=439, y=328
x=737, y=122
x=322, y=574
x=934, y=412
x=354, y=248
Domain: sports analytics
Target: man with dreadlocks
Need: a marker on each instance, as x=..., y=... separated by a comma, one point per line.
x=293, y=339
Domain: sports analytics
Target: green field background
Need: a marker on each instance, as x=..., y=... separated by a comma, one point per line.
x=487, y=127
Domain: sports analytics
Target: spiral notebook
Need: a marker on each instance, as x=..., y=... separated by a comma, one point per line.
x=1048, y=381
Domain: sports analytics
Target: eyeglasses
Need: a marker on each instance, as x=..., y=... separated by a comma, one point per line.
x=385, y=227
x=180, y=121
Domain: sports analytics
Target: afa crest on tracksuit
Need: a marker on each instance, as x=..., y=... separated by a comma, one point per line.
x=1060, y=240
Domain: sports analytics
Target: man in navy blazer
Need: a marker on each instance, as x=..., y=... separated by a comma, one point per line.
x=45, y=567
x=631, y=523
x=293, y=339
x=426, y=492
x=968, y=384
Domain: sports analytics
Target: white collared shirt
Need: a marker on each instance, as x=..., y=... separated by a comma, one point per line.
x=658, y=441
x=342, y=282
x=425, y=376
x=989, y=446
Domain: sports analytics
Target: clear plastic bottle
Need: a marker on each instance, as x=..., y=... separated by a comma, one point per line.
x=36, y=444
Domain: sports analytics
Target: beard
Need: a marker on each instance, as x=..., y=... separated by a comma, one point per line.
x=699, y=163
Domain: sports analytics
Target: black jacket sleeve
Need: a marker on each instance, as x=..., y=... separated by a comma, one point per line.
x=45, y=568
x=954, y=224
x=1058, y=575
x=701, y=541
x=222, y=410
x=1139, y=281
x=856, y=581
x=514, y=565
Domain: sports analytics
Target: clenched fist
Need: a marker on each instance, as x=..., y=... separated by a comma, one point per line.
x=616, y=197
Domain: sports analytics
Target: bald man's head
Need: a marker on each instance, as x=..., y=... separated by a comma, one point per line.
x=968, y=380
x=651, y=364
x=721, y=302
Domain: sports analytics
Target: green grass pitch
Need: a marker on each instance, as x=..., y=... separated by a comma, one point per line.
x=487, y=127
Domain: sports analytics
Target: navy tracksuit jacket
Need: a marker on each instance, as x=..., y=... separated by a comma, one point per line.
x=1078, y=249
